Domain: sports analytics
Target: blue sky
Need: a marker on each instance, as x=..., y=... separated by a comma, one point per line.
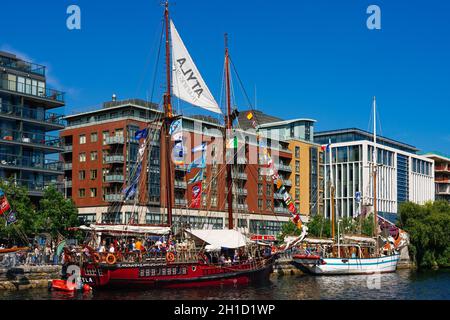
x=313, y=59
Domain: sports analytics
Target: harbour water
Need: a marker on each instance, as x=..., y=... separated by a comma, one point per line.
x=402, y=285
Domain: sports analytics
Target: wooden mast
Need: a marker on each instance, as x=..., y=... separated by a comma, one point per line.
x=228, y=130
x=168, y=119
x=332, y=193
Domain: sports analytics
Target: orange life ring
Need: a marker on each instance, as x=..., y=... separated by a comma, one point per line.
x=110, y=258
x=170, y=257
x=96, y=258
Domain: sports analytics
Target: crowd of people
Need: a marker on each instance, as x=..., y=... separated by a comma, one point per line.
x=36, y=255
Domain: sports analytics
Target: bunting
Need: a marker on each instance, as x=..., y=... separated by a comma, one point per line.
x=273, y=172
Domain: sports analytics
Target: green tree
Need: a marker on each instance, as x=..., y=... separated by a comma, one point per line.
x=429, y=230
x=25, y=212
x=288, y=229
x=56, y=214
x=319, y=227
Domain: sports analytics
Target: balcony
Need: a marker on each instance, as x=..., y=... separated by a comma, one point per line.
x=238, y=191
x=278, y=196
x=47, y=119
x=117, y=158
x=283, y=167
x=286, y=183
x=114, y=178
x=442, y=180
x=34, y=188
x=238, y=206
x=67, y=166
x=239, y=175
x=113, y=197
x=181, y=168
x=281, y=210
x=33, y=91
x=115, y=140
x=23, y=66
x=68, y=148
x=442, y=168
x=29, y=138
x=68, y=184
x=11, y=161
x=181, y=202
x=180, y=184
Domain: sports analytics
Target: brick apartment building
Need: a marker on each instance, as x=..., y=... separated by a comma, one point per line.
x=100, y=151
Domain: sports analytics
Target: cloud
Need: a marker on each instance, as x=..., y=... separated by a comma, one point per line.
x=52, y=81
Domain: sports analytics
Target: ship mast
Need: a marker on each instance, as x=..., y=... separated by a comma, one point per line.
x=375, y=165
x=228, y=130
x=168, y=119
x=332, y=194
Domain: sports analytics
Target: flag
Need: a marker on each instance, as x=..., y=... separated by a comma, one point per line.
x=200, y=148
x=4, y=205
x=197, y=178
x=232, y=143
x=197, y=163
x=60, y=247
x=175, y=127
x=178, y=153
x=249, y=116
x=196, y=195
x=11, y=218
x=326, y=147
x=141, y=134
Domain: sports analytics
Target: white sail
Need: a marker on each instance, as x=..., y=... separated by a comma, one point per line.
x=188, y=84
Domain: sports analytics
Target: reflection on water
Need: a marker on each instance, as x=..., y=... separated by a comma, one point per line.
x=403, y=285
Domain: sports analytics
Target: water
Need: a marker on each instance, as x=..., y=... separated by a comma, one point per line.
x=402, y=285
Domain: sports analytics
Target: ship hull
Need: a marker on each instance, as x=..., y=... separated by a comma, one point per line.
x=352, y=266
x=173, y=275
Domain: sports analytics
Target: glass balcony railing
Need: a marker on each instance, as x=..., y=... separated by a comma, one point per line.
x=32, y=90
x=180, y=184
x=115, y=140
x=282, y=210
x=34, y=186
x=115, y=178
x=67, y=166
x=239, y=175
x=31, y=138
x=31, y=114
x=181, y=202
x=30, y=162
x=23, y=66
x=113, y=197
x=118, y=158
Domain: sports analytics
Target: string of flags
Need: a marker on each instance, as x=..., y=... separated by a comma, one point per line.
x=273, y=172
x=5, y=209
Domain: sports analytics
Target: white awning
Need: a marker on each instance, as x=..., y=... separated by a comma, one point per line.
x=359, y=239
x=127, y=229
x=230, y=239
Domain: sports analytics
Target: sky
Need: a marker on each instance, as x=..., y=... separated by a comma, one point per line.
x=296, y=58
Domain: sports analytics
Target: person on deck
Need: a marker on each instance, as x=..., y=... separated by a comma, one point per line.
x=102, y=248
x=111, y=248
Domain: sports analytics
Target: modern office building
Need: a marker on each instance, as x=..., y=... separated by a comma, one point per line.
x=29, y=152
x=303, y=170
x=442, y=175
x=100, y=151
x=403, y=175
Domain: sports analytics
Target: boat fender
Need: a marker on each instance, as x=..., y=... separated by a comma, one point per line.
x=110, y=259
x=170, y=257
x=96, y=258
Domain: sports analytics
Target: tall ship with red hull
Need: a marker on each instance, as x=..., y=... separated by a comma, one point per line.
x=163, y=256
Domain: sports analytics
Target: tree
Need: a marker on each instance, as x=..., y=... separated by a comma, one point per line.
x=289, y=229
x=319, y=227
x=56, y=214
x=429, y=230
x=25, y=212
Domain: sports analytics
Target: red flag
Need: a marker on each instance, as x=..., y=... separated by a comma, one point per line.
x=4, y=205
x=196, y=195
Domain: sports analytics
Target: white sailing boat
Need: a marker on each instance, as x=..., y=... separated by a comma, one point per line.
x=356, y=254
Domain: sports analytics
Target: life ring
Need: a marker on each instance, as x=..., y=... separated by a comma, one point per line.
x=96, y=258
x=110, y=258
x=170, y=257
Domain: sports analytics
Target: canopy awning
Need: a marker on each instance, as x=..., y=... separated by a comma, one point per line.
x=359, y=239
x=230, y=239
x=124, y=229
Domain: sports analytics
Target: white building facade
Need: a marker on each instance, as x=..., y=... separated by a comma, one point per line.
x=402, y=175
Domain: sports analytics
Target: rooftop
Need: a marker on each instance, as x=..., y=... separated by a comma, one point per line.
x=9, y=60
x=260, y=117
x=365, y=135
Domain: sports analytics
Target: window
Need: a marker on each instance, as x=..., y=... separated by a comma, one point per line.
x=82, y=157
x=297, y=152
x=105, y=136
x=81, y=175
x=297, y=166
x=81, y=193
x=260, y=189
x=82, y=138
x=94, y=155
x=93, y=174
x=260, y=204
x=297, y=194
x=94, y=137
x=268, y=190
x=93, y=192
x=268, y=204
x=297, y=180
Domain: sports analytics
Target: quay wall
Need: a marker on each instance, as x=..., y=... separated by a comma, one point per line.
x=28, y=277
